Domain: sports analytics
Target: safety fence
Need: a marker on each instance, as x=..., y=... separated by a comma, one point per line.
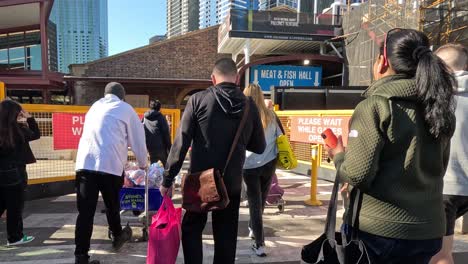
x=61, y=128
x=304, y=129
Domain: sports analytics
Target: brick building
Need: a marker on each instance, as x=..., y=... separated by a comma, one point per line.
x=168, y=70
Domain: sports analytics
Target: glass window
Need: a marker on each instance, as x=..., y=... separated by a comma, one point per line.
x=37, y=100
x=20, y=51
x=17, y=58
x=3, y=59
x=33, y=50
x=3, y=52
x=34, y=57
x=25, y=99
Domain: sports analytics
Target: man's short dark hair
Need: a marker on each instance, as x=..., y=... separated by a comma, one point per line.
x=155, y=105
x=225, y=67
x=116, y=89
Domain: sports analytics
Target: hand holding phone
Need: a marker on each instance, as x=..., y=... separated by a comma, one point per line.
x=25, y=114
x=330, y=138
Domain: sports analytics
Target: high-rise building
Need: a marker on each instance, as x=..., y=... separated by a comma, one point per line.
x=182, y=17
x=82, y=31
x=52, y=45
x=267, y=4
x=214, y=12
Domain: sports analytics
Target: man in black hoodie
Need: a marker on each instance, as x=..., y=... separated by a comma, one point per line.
x=209, y=124
x=158, y=138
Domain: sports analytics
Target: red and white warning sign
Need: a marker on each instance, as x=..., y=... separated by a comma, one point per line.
x=67, y=130
x=308, y=129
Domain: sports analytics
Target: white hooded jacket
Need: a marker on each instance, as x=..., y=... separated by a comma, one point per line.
x=456, y=177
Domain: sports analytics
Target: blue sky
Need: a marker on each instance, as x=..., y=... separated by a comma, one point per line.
x=133, y=23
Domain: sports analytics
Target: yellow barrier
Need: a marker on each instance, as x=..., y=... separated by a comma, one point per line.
x=173, y=114
x=2, y=91
x=59, y=165
x=316, y=154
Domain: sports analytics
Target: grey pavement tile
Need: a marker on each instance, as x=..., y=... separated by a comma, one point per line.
x=52, y=222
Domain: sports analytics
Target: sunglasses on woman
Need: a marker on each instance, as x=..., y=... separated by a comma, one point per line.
x=385, y=56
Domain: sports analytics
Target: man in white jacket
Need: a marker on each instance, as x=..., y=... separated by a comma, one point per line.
x=111, y=126
x=455, y=57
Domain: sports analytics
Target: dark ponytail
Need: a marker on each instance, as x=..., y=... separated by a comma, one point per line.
x=408, y=52
x=435, y=87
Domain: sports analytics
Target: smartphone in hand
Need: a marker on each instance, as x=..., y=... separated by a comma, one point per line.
x=330, y=138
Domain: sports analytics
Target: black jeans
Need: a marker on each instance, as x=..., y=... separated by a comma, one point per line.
x=399, y=251
x=224, y=232
x=88, y=186
x=12, y=200
x=258, y=182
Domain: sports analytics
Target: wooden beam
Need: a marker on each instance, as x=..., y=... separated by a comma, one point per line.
x=18, y=2
x=49, y=8
x=19, y=29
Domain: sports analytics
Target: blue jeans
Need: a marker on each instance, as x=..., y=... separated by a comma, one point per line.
x=383, y=250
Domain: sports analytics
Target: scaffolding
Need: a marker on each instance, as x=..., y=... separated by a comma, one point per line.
x=365, y=26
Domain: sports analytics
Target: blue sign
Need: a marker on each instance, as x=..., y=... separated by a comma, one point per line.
x=278, y=75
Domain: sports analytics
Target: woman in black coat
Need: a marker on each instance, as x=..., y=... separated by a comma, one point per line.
x=15, y=153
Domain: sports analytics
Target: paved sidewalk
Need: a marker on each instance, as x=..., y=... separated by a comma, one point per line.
x=52, y=222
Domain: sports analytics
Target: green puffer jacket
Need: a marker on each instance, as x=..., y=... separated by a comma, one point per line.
x=396, y=163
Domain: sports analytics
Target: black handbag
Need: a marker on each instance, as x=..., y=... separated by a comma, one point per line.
x=334, y=247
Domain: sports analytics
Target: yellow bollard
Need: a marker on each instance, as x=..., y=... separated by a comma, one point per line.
x=2, y=91
x=316, y=154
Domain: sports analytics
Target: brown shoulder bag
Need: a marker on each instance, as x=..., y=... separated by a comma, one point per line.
x=205, y=191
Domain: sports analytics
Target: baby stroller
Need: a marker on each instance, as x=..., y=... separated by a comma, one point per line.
x=275, y=195
x=274, y=198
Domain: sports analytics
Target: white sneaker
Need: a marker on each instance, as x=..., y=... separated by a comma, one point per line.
x=24, y=240
x=251, y=234
x=259, y=250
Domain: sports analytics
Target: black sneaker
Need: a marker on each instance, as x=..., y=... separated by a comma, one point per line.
x=123, y=238
x=85, y=260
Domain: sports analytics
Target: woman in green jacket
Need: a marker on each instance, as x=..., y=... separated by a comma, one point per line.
x=398, y=151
